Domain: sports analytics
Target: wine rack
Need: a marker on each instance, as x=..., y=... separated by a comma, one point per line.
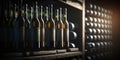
x=98, y=31
x=89, y=34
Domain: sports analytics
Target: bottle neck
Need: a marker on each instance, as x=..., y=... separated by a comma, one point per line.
x=20, y=8
x=11, y=13
x=26, y=11
x=41, y=13
x=36, y=11
x=23, y=13
x=51, y=12
x=65, y=14
x=20, y=12
x=31, y=13
x=9, y=10
x=60, y=13
x=46, y=13
x=57, y=15
x=15, y=12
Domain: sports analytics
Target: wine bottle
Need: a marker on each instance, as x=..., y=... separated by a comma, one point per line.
x=19, y=29
x=50, y=30
x=46, y=19
x=15, y=41
x=35, y=29
x=4, y=29
x=59, y=30
x=27, y=29
x=30, y=19
x=42, y=29
x=66, y=30
x=10, y=26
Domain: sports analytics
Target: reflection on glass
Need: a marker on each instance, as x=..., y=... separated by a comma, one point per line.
x=102, y=44
x=95, y=24
x=102, y=25
x=102, y=31
x=99, y=25
x=91, y=37
x=87, y=11
x=87, y=36
x=95, y=19
x=95, y=37
x=105, y=36
x=99, y=8
x=73, y=35
x=102, y=20
x=72, y=45
x=102, y=36
x=91, y=11
x=91, y=6
x=91, y=24
x=86, y=19
x=99, y=14
x=95, y=7
x=87, y=24
x=102, y=14
x=72, y=26
x=105, y=31
x=93, y=44
x=90, y=30
x=99, y=37
x=98, y=44
x=94, y=30
x=99, y=20
x=95, y=12
x=98, y=30
x=91, y=19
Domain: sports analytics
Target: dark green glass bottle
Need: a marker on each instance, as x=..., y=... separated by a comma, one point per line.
x=50, y=38
x=27, y=29
x=42, y=29
x=35, y=29
x=19, y=29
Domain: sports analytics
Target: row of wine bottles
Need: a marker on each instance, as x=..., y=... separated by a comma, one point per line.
x=21, y=32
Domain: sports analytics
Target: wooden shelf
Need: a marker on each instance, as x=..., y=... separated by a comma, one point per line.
x=47, y=57
x=73, y=4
